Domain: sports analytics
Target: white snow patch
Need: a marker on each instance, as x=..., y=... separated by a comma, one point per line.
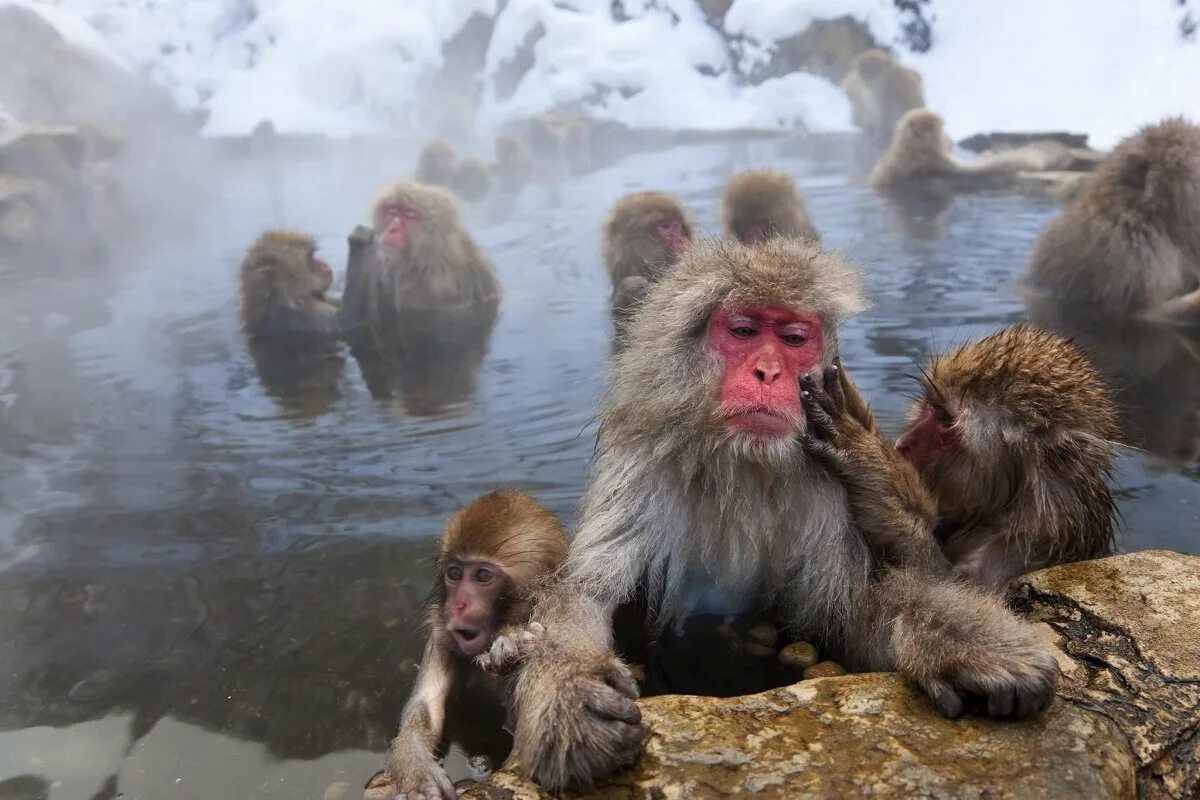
x=773, y=20
x=73, y=28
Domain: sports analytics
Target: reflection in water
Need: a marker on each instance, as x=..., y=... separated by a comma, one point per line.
x=201, y=598
x=303, y=375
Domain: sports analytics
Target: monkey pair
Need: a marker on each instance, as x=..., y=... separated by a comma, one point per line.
x=647, y=232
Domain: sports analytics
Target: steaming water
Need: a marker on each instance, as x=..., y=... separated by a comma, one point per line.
x=212, y=591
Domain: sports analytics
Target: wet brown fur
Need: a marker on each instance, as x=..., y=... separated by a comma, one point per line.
x=628, y=242
x=280, y=293
x=768, y=199
x=881, y=91
x=1129, y=243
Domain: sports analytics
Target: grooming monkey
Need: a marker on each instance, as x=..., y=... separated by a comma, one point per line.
x=1005, y=459
x=493, y=553
x=645, y=233
x=1129, y=243
x=759, y=203
x=701, y=486
x=283, y=286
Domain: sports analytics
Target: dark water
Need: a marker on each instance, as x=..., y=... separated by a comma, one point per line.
x=210, y=582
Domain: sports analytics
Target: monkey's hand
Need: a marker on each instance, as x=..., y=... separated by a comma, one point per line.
x=576, y=719
x=511, y=647
x=414, y=774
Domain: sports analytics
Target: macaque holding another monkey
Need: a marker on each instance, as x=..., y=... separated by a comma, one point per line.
x=760, y=203
x=702, y=488
x=1005, y=460
x=283, y=288
x=1129, y=243
x=645, y=233
x=881, y=90
x=494, y=552
x=417, y=256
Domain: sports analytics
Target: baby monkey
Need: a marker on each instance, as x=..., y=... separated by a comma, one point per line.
x=493, y=554
x=1004, y=464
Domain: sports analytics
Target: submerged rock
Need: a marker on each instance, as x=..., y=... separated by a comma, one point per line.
x=1125, y=724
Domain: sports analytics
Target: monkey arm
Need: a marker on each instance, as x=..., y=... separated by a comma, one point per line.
x=411, y=759
x=1185, y=308
x=354, y=297
x=888, y=500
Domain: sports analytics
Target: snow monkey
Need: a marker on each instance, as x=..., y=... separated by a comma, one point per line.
x=1129, y=243
x=416, y=256
x=283, y=286
x=881, y=90
x=701, y=484
x=493, y=553
x=472, y=179
x=436, y=164
x=764, y=202
x=1005, y=460
x=644, y=233
x=514, y=165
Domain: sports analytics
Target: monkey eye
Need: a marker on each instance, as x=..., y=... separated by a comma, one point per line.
x=944, y=417
x=454, y=573
x=742, y=331
x=484, y=575
x=793, y=339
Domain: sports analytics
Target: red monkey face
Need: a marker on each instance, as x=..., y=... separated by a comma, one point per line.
x=670, y=231
x=930, y=436
x=764, y=351
x=474, y=593
x=322, y=275
x=396, y=223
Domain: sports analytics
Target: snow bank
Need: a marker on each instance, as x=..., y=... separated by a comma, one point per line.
x=360, y=65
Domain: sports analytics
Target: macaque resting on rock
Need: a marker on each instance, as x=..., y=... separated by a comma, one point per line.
x=701, y=486
x=1005, y=461
x=493, y=554
x=1129, y=242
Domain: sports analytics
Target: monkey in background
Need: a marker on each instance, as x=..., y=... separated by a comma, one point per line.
x=472, y=180
x=645, y=232
x=494, y=552
x=417, y=255
x=436, y=164
x=514, y=165
x=1005, y=460
x=701, y=486
x=1129, y=243
x=283, y=286
x=881, y=91
x=759, y=203
x=562, y=136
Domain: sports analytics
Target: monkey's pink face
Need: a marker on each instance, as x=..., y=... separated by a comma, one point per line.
x=396, y=223
x=473, y=593
x=764, y=350
x=930, y=436
x=670, y=231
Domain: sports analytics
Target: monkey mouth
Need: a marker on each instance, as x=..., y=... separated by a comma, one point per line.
x=470, y=641
x=760, y=422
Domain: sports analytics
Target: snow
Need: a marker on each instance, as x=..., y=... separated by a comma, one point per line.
x=72, y=28
x=361, y=66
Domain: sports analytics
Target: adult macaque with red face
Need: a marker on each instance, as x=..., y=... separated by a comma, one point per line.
x=702, y=487
x=416, y=256
x=645, y=233
x=493, y=553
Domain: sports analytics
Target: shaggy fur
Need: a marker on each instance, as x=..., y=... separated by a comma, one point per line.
x=281, y=294
x=628, y=242
x=676, y=507
x=767, y=200
x=1129, y=243
x=881, y=91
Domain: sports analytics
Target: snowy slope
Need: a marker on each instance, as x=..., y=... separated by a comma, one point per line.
x=1103, y=67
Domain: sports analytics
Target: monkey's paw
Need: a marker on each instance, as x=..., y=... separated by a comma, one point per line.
x=1015, y=690
x=427, y=781
x=511, y=648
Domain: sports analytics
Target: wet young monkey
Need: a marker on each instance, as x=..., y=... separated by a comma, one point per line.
x=644, y=233
x=1005, y=460
x=759, y=203
x=493, y=553
x=283, y=286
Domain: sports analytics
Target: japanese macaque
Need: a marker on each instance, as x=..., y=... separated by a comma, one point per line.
x=1005, y=459
x=1129, y=243
x=760, y=203
x=493, y=554
x=919, y=154
x=645, y=233
x=563, y=136
x=472, y=180
x=436, y=164
x=514, y=165
x=701, y=486
x=416, y=256
x=881, y=91
x=284, y=286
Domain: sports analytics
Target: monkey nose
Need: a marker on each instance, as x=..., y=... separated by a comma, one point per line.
x=766, y=373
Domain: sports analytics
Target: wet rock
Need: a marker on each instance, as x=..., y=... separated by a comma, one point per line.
x=1127, y=630
x=798, y=655
x=30, y=210
x=715, y=11
x=764, y=633
x=824, y=669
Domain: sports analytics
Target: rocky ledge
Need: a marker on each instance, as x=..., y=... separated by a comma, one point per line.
x=1127, y=722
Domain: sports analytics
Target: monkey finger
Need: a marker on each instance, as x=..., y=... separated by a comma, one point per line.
x=603, y=701
x=833, y=387
x=621, y=679
x=943, y=696
x=1002, y=701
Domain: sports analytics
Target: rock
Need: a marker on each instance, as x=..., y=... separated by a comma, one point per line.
x=825, y=48
x=764, y=633
x=981, y=142
x=799, y=655
x=1125, y=724
x=824, y=669
x=760, y=650
x=52, y=153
